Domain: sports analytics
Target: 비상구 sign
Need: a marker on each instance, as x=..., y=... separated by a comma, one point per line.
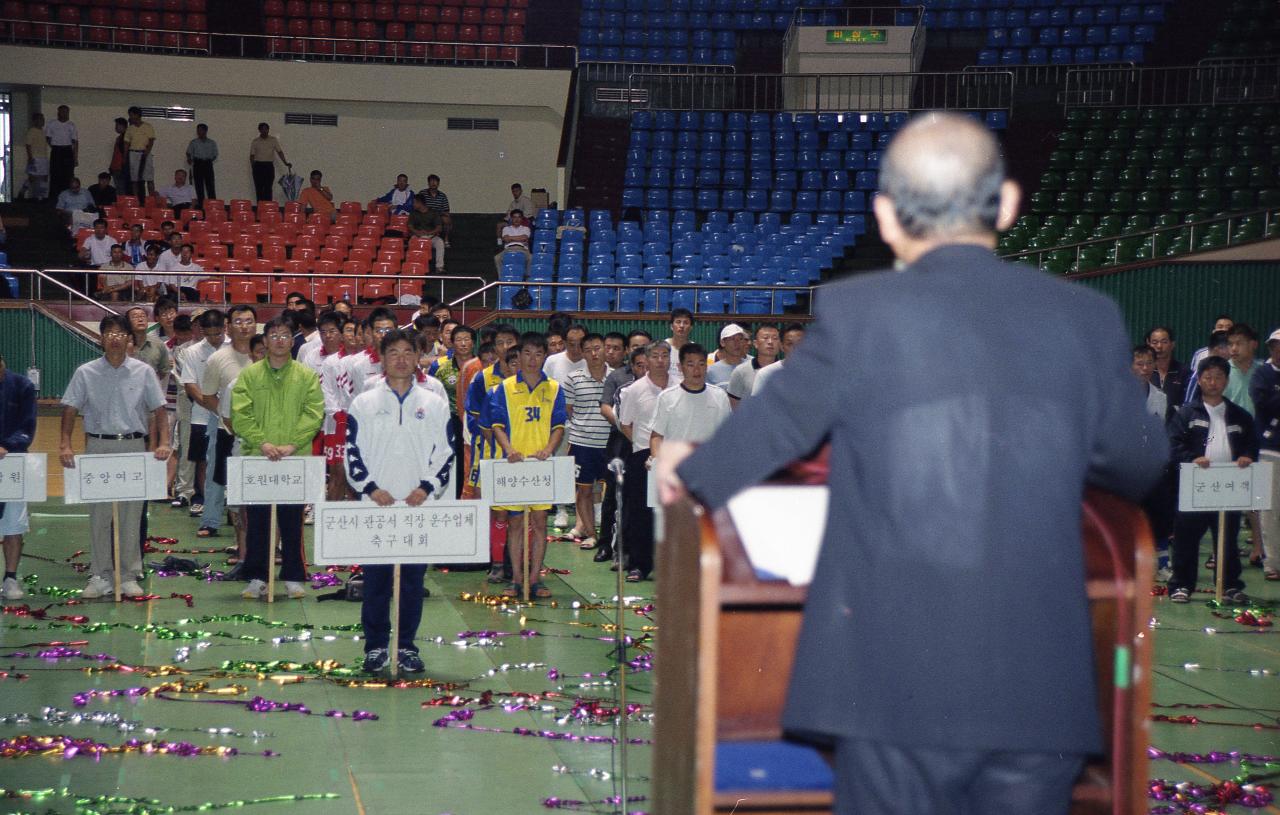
x=435, y=532
x=259, y=480
x=106, y=477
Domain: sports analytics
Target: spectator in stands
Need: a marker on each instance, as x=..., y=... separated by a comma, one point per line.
x=792, y=336
x=293, y=301
x=1242, y=350
x=187, y=271
x=75, y=204
x=400, y=197
x=262, y=160
x=519, y=201
x=64, y=150
x=135, y=249
x=733, y=352
x=636, y=411
x=104, y=195
x=123, y=406
x=681, y=327
x=515, y=238
x=167, y=236
x=588, y=433
x=140, y=137
x=1219, y=345
x=180, y=195
x=425, y=222
x=1220, y=323
x=119, y=166
x=97, y=247
x=316, y=197
x=1169, y=375
x=37, y=147
x=1210, y=429
x=742, y=380
x=151, y=277
x=115, y=279
x=202, y=152
x=438, y=202
x=1264, y=390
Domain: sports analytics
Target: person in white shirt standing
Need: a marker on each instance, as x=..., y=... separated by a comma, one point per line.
x=635, y=418
x=689, y=411
x=398, y=449
x=220, y=371
x=192, y=362
x=559, y=366
x=588, y=433
x=64, y=150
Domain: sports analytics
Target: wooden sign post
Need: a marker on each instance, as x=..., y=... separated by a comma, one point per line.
x=435, y=532
x=111, y=478
x=528, y=483
x=259, y=480
x=1224, y=488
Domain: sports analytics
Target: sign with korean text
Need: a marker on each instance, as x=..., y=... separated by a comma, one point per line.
x=1224, y=487
x=527, y=482
x=105, y=477
x=856, y=36
x=259, y=480
x=22, y=477
x=362, y=532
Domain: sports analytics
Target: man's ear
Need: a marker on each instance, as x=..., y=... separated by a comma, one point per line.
x=1010, y=199
x=887, y=220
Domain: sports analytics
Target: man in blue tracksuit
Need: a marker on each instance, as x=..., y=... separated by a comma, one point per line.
x=1209, y=430
x=398, y=449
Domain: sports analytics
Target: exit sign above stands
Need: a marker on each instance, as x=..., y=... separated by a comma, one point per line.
x=856, y=36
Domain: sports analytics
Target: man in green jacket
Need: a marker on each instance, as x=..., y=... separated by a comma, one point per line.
x=276, y=409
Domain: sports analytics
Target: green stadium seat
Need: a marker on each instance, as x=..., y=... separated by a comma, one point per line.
x=1075, y=234
x=1101, y=117
x=1084, y=158
x=1157, y=177
x=1167, y=219
x=1094, y=137
x=1177, y=244
x=1102, y=179
x=1130, y=178
x=1083, y=220
x=1137, y=222
x=1260, y=176
x=1120, y=137
x=1247, y=229
x=1164, y=157
x=1060, y=159
x=1181, y=200
x=1269, y=198
x=1181, y=115
x=1209, y=199
x=1208, y=176
x=1171, y=136
x=1153, y=117
x=1109, y=225
x=1051, y=180
x=1056, y=221
x=1122, y=201
x=1143, y=250
x=1220, y=155
x=1111, y=157
x=1069, y=140
x=1242, y=199
x=1067, y=201
x=1090, y=258
x=1149, y=201
x=1213, y=237
x=1095, y=202
x=1145, y=136
x=1138, y=157
x=1181, y=178
x=1028, y=222
x=1197, y=135
x=1077, y=117
x=1076, y=180
x=1195, y=156
x=1042, y=202
x=1127, y=117
x=1058, y=262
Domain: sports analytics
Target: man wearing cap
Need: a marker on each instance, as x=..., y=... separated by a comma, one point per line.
x=1264, y=389
x=732, y=353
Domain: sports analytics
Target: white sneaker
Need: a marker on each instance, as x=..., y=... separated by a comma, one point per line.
x=130, y=588
x=296, y=590
x=97, y=587
x=13, y=589
x=308, y=515
x=256, y=590
x=561, y=519
x=1163, y=575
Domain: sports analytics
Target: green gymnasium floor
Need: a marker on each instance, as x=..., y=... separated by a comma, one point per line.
x=401, y=763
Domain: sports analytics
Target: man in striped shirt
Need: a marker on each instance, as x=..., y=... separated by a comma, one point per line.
x=588, y=435
x=436, y=201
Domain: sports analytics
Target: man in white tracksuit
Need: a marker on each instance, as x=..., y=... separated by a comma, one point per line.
x=398, y=449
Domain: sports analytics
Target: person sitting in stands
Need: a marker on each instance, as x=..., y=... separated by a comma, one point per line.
x=103, y=194
x=438, y=202
x=74, y=203
x=180, y=195
x=316, y=197
x=119, y=284
x=135, y=249
x=519, y=201
x=426, y=223
x=515, y=238
x=97, y=247
x=400, y=197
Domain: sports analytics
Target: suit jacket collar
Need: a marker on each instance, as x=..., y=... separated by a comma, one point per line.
x=951, y=256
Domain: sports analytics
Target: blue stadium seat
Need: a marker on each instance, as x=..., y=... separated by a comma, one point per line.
x=784, y=160
x=757, y=200
x=1105, y=15
x=682, y=198
x=1108, y=53
x=1011, y=56
x=829, y=201
x=806, y=201
x=1132, y=53
x=1060, y=56
x=839, y=179
x=997, y=119
x=733, y=179
x=781, y=201
x=1050, y=35
x=733, y=199
x=988, y=56
x=865, y=180
x=656, y=198
x=1037, y=17
x=1084, y=54
x=1037, y=55
x=708, y=199
x=784, y=180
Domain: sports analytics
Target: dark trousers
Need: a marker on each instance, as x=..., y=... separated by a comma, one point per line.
x=258, y=549
x=608, y=513
x=1161, y=506
x=455, y=435
x=1188, y=529
x=375, y=610
x=873, y=778
x=264, y=175
x=62, y=166
x=637, y=516
x=202, y=179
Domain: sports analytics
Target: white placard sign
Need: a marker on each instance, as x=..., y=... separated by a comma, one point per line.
x=259, y=480
x=105, y=477
x=527, y=482
x=436, y=532
x=22, y=477
x=1224, y=487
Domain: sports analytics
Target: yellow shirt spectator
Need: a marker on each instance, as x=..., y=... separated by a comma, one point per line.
x=138, y=136
x=264, y=148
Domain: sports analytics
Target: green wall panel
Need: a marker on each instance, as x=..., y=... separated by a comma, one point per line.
x=1187, y=296
x=57, y=351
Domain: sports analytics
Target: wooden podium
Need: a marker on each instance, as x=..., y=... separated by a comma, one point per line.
x=727, y=639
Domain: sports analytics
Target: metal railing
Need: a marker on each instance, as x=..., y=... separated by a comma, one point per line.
x=1025, y=76
x=853, y=16
x=622, y=71
x=38, y=279
x=1228, y=83
x=1157, y=241
x=734, y=290
x=817, y=93
x=285, y=46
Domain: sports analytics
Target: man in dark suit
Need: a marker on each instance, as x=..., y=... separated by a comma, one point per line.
x=945, y=651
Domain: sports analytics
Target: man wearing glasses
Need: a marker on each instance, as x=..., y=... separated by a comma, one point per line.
x=221, y=369
x=122, y=403
x=276, y=407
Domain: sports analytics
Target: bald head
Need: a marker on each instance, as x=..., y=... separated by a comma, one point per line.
x=943, y=175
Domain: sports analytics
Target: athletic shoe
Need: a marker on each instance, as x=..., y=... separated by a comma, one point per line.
x=196, y=510
x=410, y=662
x=561, y=519
x=130, y=588
x=1180, y=596
x=256, y=590
x=376, y=660
x=179, y=502
x=1236, y=597
x=1163, y=574
x=308, y=515
x=296, y=590
x=96, y=588
x=13, y=589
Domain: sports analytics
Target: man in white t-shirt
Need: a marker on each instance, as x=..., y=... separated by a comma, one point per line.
x=635, y=418
x=97, y=247
x=732, y=353
x=220, y=372
x=792, y=336
x=681, y=328
x=690, y=411
x=186, y=271
x=558, y=367
x=515, y=238
x=180, y=195
x=743, y=378
x=193, y=360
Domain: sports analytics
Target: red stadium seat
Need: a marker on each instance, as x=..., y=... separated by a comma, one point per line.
x=344, y=29
x=426, y=32
x=327, y=267
x=321, y=27
x=384, y=11
x=342, y=289
x=99, y=16
x=171, y=5
x=353, y=266
x=211, y=291
x=395, y=31
x=342, y=11
x=297, y=27
x=38, y=12
x=468, y=53
x=242, y=289
x=406, y=13
x=69, y=14
x=333, y=253
x=416, y=50
x=123, y=18
x=297, y=267
x=274, y=26
x=295, y=8
x=362, y=11
x=494, y=16
x=513, y=34
x=515, y=16
x=450, y=14
x=347, y=48
x=415, y=269
x=377, y=289
x=491, y=33
x=428, y=14
x=197, y=6
x=323, y=48
x=366, y=30
x=319, y=9
x=148, y=19
x=196, y=21
x=446, y=32
x=468, y=33
x=196, y=42
x=472, y=15
x=273, y=8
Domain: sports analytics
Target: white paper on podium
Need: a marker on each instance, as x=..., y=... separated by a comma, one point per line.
x=100, y=478
x=435, y=532
x=259, y=480
x=1224, y=486
x=23, y=477
x=785, y=543
x=529, y=482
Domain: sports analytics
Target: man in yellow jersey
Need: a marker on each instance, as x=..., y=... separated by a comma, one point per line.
x=483, y=447
x=527, y=418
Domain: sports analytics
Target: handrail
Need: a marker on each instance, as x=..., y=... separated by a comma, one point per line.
x=905, y=91
x=59, y=35
x=1213, y=84
x=42, y=276
x=617, y=287
x=1268, y=214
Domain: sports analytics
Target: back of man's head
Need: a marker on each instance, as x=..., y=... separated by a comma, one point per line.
x=943, y=174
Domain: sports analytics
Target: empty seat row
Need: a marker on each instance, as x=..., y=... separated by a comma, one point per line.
x=1059, y=14
x=1024, y=36
x=422, y=32
x=73, y=15
x=1062, y=55
x=286, y=47
x=830, y=123
x=405, y=12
